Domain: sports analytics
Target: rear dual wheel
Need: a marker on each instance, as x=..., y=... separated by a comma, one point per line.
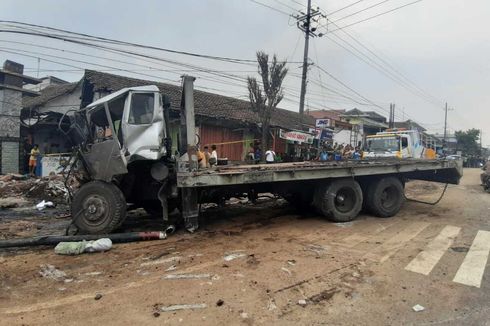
x=339, y=200
x=385, y=196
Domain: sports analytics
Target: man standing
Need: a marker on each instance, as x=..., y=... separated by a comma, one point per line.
x=270, y=156
x=33, y=160
x=213, y=160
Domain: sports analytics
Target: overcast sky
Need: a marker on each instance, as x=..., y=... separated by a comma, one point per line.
x=441, y=46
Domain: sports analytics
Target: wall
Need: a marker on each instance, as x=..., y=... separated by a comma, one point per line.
x=10, y=105
x=217, y=135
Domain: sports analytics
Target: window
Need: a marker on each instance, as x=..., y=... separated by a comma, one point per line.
x=141, y=109
x=404, y=142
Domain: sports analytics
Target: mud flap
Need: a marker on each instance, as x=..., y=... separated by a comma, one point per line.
x=162, y=196
x=190, y=208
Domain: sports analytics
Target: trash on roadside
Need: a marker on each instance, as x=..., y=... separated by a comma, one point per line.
x=220, y=302
x=284, y=269
x=186, y=276
x=418, y=308
x=51, y=272
x=79, y=247
x=42, y=205
x=183, y=307
x=302, y=302
x=98, y=296
x=233, y=256
x=291, y=262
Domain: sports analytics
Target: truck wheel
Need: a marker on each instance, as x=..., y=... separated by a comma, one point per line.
x=340, y=200
x=98, y=208
x=384, y=197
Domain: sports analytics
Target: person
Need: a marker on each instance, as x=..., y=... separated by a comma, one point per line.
x=213, y=159
x=33, y=159
x=201, y=159
x=207, y=155
x=270, y=156
x=323, y=155
x=251, y=153
x=357, y=154
x=430, y=153
x=258, y=155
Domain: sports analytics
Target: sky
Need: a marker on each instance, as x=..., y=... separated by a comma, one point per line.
x=418, y=57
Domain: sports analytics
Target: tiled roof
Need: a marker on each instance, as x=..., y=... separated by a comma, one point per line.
x=206, y=104
x=47, y=94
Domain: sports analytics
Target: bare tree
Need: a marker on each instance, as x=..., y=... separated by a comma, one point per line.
x=265, y=101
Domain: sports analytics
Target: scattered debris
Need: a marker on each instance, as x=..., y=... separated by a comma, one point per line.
x=79, y=247
x=93, y=273
x=286, y=270
x=51, y=272
x=291, y=262
x=98, y=296
x=344, y=224
x=233, y=256
x=219, y=303
x=460, y=249
x=183, y=307
x=317, y=249
x=244, y=315
x=156, y=314
x=186, y=276
x=171, y=268
x=323, y=296
x=271, y=305
x=418, y=308
x=42, y=205
x=302, y=302
x=161, y=261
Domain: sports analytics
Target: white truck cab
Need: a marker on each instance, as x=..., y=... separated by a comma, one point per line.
x=394, y=143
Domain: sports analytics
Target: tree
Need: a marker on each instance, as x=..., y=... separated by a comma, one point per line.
x=265, y=101
x=468, y=141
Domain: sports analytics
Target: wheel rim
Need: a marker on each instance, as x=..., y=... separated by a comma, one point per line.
x=95, y=210
x=345, y=199
x=388, y=197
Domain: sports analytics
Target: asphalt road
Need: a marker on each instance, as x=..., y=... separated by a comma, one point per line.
x=267, y=264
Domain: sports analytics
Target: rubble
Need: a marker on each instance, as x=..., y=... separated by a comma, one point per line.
x=51, y=272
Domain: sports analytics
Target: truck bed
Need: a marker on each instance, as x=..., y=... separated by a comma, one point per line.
x=441, y=170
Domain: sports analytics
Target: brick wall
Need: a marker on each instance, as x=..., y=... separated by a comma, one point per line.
x=9, y=157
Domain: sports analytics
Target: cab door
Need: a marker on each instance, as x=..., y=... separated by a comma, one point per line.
x=143, y=126
x=405, y=146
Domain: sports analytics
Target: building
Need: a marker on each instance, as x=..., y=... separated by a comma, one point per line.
x=45, y=82
x=228, y=122
x=12, y=150
x=364, y=123
x=342, y=130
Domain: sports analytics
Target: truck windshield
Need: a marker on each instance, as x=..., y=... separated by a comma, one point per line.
x=383, y=144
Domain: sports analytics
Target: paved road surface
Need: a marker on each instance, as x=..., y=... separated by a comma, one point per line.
x=254, y=265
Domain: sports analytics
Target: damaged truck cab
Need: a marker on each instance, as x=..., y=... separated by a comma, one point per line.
x=125, y=152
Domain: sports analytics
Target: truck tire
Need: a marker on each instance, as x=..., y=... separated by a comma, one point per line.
x=98, y=208
x=340, y=200
x=384, y=197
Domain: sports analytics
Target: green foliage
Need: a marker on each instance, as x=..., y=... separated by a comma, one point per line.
x=468, y=141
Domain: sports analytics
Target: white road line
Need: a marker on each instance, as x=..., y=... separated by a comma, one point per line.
x=356, y=238
x=425, y=261
x=471, y=270
x=392, y=245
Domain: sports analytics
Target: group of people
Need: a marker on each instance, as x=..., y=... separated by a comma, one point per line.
x=338, y=152
x=207, y=159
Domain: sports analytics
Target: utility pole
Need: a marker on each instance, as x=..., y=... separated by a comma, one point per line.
x=445, y=126
x=304, y=24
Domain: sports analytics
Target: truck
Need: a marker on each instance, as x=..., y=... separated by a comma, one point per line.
x=123, y=158
x=394, y=143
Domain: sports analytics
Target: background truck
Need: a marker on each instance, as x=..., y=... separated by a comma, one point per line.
x=123, y=153
x=395, y=144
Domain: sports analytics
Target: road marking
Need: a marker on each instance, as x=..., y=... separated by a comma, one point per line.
x=471, y=270
x=392, y=245
x=425, y=261
x=356, y=238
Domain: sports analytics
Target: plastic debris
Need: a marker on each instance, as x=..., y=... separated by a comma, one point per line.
x=302, y=302
x=233, y=256
x=186, y=276
x=418, y=308
x=284, y=269
x=79, y=247
x=183, y=307
x=51, y=272
x=42, y=205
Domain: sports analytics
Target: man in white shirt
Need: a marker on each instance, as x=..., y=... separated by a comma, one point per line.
x=270, y=156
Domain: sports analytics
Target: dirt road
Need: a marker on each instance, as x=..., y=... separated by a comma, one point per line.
x=269, y=265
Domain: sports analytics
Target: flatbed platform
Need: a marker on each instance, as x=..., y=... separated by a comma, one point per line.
x=440, y=170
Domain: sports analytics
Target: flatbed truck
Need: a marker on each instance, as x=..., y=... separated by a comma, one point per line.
x=124, y=153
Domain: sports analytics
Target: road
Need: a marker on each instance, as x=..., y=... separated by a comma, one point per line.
x=267, y=264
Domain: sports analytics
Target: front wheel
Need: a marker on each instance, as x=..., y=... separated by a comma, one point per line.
x=98, y=208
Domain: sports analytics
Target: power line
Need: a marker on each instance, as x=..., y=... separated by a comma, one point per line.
x=359, y=11
x=270, y=7
x=348, y=6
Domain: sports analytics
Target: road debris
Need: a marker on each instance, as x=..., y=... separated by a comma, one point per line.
x=233, y=256
x=284, y=269
x=219, y=303
x=186, y=276
x=418, y=308
x=302, y=302
x=42, y=205
x=183, y=307
x=51, y=272
x=98, y=296
x=161, y=261
x=77, y=248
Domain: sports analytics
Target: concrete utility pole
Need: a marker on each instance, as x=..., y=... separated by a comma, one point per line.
x=445, y=126
x=304, y=24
